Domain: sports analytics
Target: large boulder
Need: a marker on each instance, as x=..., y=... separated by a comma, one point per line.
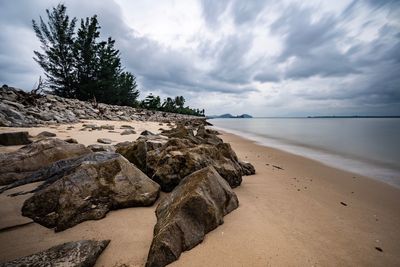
x=82, y=253
x=30, y=158
x=87, y=190
x=194, y=208
x=14, y=138
x=208, y=136
x=136, y=153
x=180, y=158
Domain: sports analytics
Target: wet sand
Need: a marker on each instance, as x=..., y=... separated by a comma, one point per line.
x=293, y=212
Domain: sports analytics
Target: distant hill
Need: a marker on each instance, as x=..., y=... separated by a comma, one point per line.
x=230, y=116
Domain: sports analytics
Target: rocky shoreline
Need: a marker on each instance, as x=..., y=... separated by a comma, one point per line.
x=21, y=109
x=77, y=183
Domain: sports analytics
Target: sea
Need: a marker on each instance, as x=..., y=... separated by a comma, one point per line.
x=366, y=146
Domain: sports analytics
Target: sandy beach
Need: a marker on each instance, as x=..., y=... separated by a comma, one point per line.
x=293, y=212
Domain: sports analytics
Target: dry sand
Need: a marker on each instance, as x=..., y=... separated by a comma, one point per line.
x=287, y=217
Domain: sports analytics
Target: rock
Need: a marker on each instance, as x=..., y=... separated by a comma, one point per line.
x=180, y=157
x=4, y=121
x=12, y=115
x=128, y=131
x=46, y=134
x=91, y=126
x=183, y=132
x=194, y=208
x=104, y=141
x=124, y=118
x=71, y=140
x=99, y=148
x=153, y=144
x=136, y=153
x=208, y=136
x=15, y=104
x=14, y=138
x=19, y=108
x=30, y=158
x=247, y=168
x=126, y=127
x=145, y=133
x=82, y=253
x=107, y=127
x=45, y=116
x=87, y=190
x=179, y=132
x=122, y=144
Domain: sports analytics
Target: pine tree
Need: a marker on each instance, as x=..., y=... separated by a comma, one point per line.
x=87, y=63
x=78, y=64
x=57, y=41
x=126, y=88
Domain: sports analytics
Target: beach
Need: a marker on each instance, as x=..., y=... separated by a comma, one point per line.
x=293, y=212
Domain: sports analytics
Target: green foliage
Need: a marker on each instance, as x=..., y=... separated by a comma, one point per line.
x=78, y=65
x=169, y=105
x=57, y=42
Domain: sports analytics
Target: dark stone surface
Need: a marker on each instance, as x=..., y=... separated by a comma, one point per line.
x=194, y=208
x=37, y=155
x=14, y=138
x=87, y=190
x=46, y=134
x=82, y=253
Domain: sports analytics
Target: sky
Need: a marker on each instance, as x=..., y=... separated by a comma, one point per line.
x=264, y=58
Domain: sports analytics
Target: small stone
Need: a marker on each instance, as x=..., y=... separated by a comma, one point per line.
x=46, y=134
x=14, y=138
x=128, y=131
x=145, y=133
x=126, y=127
x=104, y=141
x=107, y=127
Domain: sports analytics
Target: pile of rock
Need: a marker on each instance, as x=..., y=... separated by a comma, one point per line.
x=168, y=160
x=22, y=109
x=189, y=161
x=200, y=170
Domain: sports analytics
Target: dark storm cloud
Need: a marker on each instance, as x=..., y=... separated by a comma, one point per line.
x=212, y=10
x=312, y=45
x=230, y=65
x=267, y=76
x=244, y=11
x=166, y=69
x=241, y=11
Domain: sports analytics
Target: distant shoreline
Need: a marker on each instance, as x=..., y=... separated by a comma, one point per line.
x=318, y=117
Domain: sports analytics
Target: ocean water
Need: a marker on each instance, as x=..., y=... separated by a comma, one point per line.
x=367, y=146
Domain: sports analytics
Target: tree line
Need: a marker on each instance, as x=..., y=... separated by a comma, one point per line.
x=169, y=105
x=78, y=64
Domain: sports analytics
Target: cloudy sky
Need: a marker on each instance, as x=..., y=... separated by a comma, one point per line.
x=265, y=58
